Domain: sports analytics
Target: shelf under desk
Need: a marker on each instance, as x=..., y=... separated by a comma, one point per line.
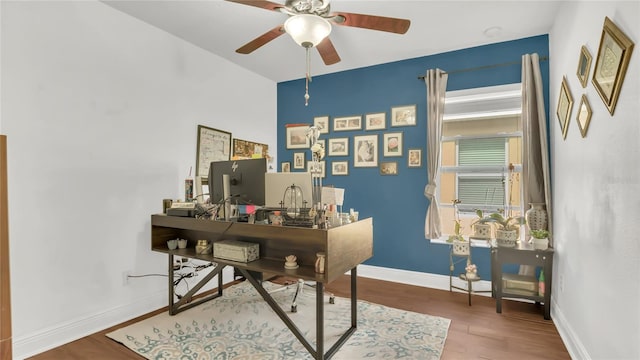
x=345, y=247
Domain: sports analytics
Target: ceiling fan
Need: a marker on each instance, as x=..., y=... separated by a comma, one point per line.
x=309, y=24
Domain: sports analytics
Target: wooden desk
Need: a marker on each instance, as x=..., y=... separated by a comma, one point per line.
x=522, y=254
x=345, y=247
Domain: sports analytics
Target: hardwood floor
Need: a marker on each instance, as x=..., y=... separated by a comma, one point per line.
x=476, y=332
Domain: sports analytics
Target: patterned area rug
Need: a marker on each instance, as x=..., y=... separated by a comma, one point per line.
x=241, y=325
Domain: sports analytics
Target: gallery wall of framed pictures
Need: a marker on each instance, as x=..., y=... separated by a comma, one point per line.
x=612, y=59
x=356, y=141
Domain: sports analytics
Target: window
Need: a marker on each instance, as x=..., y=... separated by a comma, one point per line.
x=481, y=154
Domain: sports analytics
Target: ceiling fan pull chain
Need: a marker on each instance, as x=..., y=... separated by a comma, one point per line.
x=308, y=78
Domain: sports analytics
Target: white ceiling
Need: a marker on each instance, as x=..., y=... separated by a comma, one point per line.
x=221, y=27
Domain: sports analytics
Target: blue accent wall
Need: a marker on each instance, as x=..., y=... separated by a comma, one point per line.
x=396, y=203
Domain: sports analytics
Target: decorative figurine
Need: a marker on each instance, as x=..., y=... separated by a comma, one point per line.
x=291, y=262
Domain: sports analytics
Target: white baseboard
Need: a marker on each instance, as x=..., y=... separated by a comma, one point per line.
x=433, y=281
x=574, y=346
x=49, y=338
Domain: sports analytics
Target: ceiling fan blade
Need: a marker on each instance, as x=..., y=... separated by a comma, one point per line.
x=328, y=52
x=263, y=4
x=373, y=22
x=261, y=40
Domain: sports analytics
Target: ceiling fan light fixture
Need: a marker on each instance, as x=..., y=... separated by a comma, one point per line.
x=307, y=30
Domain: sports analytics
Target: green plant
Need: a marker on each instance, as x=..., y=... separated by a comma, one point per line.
x=508, y=223
x=481, y=218
x=457, y=235
x=539, y=234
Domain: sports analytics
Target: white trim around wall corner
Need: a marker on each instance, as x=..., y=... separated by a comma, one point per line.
x=49, y=338
x=575, y=348
x=434, y=281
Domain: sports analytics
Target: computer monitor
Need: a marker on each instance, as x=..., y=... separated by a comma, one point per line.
x=277, y=183
x=246, y=181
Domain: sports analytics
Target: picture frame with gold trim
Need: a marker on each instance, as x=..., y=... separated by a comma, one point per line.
x=565, y=105
x=584, y=66
x=583, y=116
x=614, y=54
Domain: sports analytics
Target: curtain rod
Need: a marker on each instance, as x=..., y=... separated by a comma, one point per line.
x=544, y=58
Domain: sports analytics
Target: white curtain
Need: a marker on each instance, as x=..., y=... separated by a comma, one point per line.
x=436, y=82
x=535, y=145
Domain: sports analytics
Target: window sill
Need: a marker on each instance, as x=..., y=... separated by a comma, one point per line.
x=474, y=242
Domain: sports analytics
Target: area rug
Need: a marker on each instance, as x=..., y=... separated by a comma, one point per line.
x=241, y=325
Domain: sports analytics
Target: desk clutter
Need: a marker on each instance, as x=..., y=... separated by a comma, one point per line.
x=243, y=191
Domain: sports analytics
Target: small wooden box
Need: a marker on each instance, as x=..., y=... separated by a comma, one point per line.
x=235, y=250
x=519, y=282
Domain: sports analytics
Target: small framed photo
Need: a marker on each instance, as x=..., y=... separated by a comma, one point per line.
x=299, y=161
x=285, y=166
x=322, y=123
x=565, y=104
x=392, y=144
x=347, y=123
x=403, y=115
x=614, y=53
x=375, y=121
x=340, y=168
x=584, y=65
x=414, y=158
x=365, y=151
x=389, y=168
x=297, y=136
x=339, y=147
x=584, y=115
x=317, y=169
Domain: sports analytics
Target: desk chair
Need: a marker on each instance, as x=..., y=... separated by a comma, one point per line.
x=300, y=286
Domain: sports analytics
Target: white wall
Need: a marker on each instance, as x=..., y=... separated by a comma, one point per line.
x=596, y=193
x=101, y=112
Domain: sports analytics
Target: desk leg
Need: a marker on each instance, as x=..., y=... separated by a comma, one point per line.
x=186, y=301
x=496, y=279
x=170, y=287
x=317, y=353
x=319, y=320
x=548, y=272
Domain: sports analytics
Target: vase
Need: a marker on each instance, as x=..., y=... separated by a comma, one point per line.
x=172, y=244
x=203, y=247
x=320, y=262
x=506, y=238
x=182, y=243
x=482, y=231
x=536, y=216
x=541, y=244
x=461, y=247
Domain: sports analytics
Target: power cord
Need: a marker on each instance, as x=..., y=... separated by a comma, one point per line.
x=183, y=270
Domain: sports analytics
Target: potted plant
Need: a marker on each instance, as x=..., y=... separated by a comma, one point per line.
x=507, y=228
x=460, y=245
x=481, y=229
x=540, y=239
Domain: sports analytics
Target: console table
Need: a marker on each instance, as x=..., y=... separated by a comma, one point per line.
x=345, y=247
x=522, y=254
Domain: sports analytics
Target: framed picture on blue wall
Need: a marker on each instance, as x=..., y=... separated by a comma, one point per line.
x=347, y=123
x=340, y=168
x=403, y=115
x=297, y=136
x=365, y=151
x=322, y=123
x=414, y=160
x=389, y=168
x=299, y=161
x=375, y=121
x=339, y=147
x=392, y=144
